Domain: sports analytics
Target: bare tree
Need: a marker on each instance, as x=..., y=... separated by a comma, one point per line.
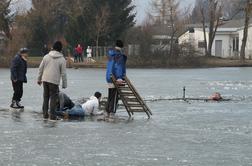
x=213, y=12
x=101, y=24
x=247, y=10
x=204, y=29
x=166, y=14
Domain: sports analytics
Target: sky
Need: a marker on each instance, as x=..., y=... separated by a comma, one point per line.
x=144, y=5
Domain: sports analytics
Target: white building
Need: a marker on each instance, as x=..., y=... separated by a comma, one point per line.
x=227, y=42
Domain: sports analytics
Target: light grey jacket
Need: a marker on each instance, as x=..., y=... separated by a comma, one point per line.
x=52, y=68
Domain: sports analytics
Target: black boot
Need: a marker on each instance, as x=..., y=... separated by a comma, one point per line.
x=19, y=105
x=13, y=104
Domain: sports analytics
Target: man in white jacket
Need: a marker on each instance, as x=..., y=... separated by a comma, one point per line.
x=51, y=70
x=91, y=107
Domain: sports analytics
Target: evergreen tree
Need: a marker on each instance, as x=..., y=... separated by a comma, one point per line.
x=77, y=21
x=82, y=25
x=121, y=18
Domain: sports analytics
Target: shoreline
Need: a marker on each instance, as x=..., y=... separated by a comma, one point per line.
x=196, y=63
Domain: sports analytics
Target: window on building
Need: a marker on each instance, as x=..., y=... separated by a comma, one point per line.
x=236, y=44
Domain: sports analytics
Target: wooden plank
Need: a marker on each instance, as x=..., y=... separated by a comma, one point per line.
x=126, y=92
x=136, y=110
x=138, y=96
x=130, y=98
x=134, y=106
x=129, y=94
x=133, y=103
x=124, y=88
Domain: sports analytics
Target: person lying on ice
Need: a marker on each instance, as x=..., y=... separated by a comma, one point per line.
x=89, y=108
x=64, y=102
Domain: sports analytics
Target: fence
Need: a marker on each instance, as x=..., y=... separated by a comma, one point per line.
x=102, y=51
x=99, y=51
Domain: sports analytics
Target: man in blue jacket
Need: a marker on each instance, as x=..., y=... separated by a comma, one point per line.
x=116, y=66
x=18, y=76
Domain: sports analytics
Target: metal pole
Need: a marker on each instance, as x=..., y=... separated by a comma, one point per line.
x=184, y=91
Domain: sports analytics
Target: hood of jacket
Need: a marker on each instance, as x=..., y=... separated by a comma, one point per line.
x=55, y=54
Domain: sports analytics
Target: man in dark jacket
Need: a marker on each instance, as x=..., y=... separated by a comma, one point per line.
x=116, y=66
x=18, y=76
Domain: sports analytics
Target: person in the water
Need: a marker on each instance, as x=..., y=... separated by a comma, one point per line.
x=90, y=108
x=216, y=96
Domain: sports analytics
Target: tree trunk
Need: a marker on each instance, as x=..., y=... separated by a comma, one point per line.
x=245, y=32
x=204, y=30
x=211, y=26
x=97, y=45
x=172, y=33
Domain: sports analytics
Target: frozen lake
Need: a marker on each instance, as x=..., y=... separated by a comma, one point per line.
x=195, y=133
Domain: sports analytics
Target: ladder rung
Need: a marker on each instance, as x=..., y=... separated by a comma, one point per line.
x=134, y=106
x=123, y=88
x=131, y=100
x=137, y=110
x=122, y=85
x=124, y=91
x=127, y=94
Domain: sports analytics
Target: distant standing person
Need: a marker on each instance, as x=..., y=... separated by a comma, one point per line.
x=116, y=66
x=18, y=76
x=75, y=54
x=79, y=51
x=45, y=50
x=89, y=54
x=51, y=70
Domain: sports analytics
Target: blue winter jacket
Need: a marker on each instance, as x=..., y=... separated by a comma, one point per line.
x=18, y=69
x=116, y=65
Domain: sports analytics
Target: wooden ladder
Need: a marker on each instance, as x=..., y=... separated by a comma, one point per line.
x=131, y=98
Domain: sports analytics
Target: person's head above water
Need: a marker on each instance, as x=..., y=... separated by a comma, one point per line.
x=216, y=96
x=98, y=95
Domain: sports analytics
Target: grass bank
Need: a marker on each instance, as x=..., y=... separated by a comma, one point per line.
x=192, y=62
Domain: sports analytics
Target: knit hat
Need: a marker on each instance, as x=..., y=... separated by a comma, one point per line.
x=119, y=44
x=23, y=50
x=57, y=46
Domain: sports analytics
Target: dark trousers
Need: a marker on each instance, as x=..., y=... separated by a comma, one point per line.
x=18, y=90
x=112, y=100
x=75, y=58
x=51, y=92
x=80, y=58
